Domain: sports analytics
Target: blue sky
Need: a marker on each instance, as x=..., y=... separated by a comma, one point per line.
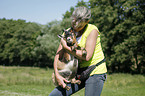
x=40, y=11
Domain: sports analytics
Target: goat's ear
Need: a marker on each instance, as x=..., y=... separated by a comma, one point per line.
x=60, y=36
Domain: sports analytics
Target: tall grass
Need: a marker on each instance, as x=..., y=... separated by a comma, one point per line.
x=124, y=85
x=25, y=81
x=32, y=81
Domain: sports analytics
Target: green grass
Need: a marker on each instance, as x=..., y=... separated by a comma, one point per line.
x=32, y=81
x=124, y=85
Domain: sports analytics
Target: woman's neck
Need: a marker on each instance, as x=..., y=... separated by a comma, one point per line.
x=81, y=31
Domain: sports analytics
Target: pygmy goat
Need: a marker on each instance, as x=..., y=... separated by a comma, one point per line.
x=67, y=64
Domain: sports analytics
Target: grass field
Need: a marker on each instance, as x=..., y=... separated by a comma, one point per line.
x=32, y=81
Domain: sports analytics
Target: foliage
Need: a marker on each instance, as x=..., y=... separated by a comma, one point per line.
x=122, y=27
x=48, y=42
x=121, y=23
x=30, y=44
x=17, y=41
x=69, y=13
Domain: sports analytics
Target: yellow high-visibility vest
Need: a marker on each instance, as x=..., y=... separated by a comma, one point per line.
x=98, y=54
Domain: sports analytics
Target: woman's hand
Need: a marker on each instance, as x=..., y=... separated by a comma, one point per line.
x=76, y=53
x=64, y=44
x=61, y=81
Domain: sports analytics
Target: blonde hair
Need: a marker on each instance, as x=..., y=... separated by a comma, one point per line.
x=82, y=13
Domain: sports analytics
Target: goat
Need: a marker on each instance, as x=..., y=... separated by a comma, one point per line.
x=67, y=64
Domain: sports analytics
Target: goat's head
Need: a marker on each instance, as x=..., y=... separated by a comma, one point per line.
x=69, y=37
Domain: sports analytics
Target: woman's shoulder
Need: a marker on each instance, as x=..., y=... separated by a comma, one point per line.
x=92, y=26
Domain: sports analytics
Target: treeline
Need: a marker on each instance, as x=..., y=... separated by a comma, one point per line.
x=121, y=22
x=29, y=44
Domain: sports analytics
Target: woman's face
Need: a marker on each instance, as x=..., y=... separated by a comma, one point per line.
x=78, y=24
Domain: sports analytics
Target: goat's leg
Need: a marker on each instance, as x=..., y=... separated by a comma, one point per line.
x=75, y=81
x=67, y=88
x=75, y=46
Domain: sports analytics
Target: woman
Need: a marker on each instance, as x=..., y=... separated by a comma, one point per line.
x=88, y=37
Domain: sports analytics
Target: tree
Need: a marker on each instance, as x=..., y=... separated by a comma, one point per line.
x=17, y=41
x=48, y=42
x=69, y=13
x=121, y=23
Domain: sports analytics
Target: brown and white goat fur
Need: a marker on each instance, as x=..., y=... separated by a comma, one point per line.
x=67, y=64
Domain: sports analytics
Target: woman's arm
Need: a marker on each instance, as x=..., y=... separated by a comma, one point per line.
x=59, y=78
x=90, y=46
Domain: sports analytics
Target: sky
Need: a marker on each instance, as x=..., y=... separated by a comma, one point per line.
x=39, y=11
